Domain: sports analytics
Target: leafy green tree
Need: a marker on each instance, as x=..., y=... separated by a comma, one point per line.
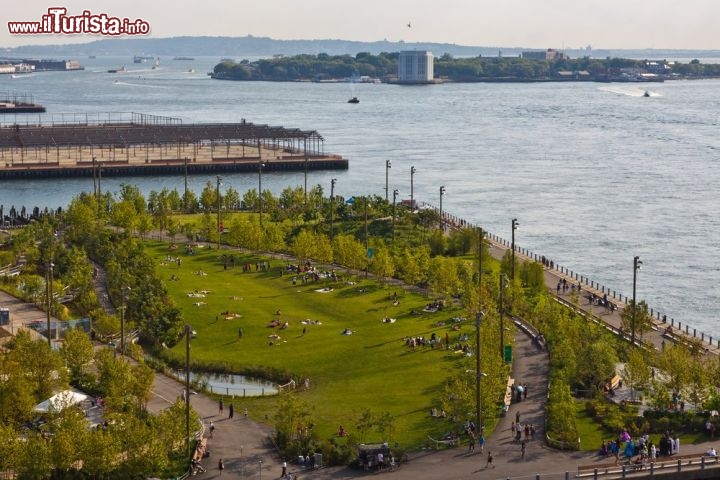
x=643, y=319
x=208, y=197
x=77, y=352
x=293, y=425
x=16, y=394
x=383, y=265
x=636, y=372
x=596, y=363
x=43, y=367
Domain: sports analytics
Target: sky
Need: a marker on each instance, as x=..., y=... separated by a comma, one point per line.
x=603, y=24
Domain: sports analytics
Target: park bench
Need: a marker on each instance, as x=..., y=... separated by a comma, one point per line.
x=507, y=399
x=447, y=442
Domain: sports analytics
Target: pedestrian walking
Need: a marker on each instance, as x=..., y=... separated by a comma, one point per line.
x=471, y=442
x=231, y=409
x=212, y=429
x=522, y=449
x=481, y=442
x=284, y=469
x=489, y=460
x=532, y=432
x=517, y=417
x=220, y=406
x=221, y=466
x=524, y=391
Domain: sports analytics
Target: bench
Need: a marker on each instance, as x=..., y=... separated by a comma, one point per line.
x=507, y=400
x=448, y=442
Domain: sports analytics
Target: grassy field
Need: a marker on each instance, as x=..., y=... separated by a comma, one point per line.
x=372, y=368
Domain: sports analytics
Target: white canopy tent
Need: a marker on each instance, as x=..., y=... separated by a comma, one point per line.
x=61, y=401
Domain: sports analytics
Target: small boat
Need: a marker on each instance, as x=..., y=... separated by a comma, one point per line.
x=646, y=94
x=354, y=100
x=118, y=70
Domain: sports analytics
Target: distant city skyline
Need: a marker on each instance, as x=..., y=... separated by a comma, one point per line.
x=537, y=24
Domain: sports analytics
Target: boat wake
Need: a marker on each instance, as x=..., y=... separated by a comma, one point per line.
x=633, y=91
x=130, y=84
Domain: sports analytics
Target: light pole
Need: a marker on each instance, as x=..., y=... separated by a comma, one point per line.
x=367, y=247
x=332, y=204
x=188, y=334
x=217, y=194
x=503, y=285
x=260, y=167
x=395, y=194
x=122, y=319
x=515, y=225
x=636, y=266
x=442, y=192
x=49, y=293
x=478, y=408
x=412, y=197
x=387, y=176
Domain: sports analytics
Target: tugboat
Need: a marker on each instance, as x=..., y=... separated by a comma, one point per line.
x=354, y=100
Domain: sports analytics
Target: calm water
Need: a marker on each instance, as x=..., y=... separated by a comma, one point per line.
x=594, y=173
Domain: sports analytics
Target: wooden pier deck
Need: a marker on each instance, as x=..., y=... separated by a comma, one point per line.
x=150, y=145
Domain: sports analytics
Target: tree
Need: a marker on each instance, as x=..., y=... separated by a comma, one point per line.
x=303, y=246
x=43, y=367
x=383, y=264
x=16, y=394
x=293, y=425
x=78, y=353
x=643, y=319
x=636, y=372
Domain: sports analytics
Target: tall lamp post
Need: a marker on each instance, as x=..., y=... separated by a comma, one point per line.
x=332, y=204
x=503, y=285
x=412, y=197
x=478, y=408
x=122, y=318
x=217, y=194
x=442, y=192
x=49, y=294
x=395, y=194
x=188, y=334
x=636, y=266
x=260, y=167
x=387, y=176
x=515, y=225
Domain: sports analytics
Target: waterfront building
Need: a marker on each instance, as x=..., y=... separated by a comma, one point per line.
x=549, y=54
x=415, y=66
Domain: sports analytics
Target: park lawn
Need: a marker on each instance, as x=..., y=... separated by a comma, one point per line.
x=371, y=368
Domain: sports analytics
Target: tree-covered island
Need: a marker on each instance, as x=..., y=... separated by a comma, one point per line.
x=324, y=67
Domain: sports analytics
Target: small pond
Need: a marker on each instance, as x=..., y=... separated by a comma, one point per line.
x=226, y=384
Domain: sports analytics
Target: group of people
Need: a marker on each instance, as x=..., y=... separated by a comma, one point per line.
x=518, y=429
x=643, y=448
x=519, y=392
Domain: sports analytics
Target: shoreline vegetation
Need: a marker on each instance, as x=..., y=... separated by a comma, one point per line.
x=382, y=68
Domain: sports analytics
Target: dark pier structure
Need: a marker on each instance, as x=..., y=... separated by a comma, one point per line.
x=140, y=144
x=19, y=103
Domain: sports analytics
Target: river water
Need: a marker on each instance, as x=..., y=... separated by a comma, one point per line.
x=594, y=173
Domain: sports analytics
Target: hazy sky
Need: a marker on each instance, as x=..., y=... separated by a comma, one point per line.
x=503, y=23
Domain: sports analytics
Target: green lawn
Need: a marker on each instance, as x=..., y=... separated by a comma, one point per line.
x=371, y=368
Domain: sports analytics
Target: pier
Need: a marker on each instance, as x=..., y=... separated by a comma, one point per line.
x=140, y=144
